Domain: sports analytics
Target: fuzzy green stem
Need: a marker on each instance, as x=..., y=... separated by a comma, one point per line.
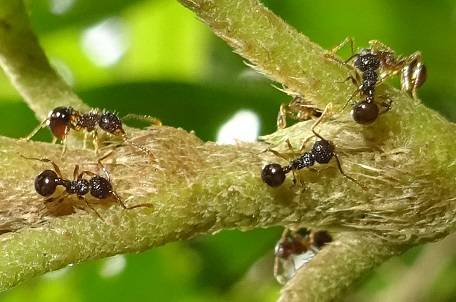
x=197, y=187
x=25, y=63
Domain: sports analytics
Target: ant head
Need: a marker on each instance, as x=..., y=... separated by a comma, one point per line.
x=100, y=187
x=45, y=183
x=273, y=175
x=59, y=121
x=110, y=123
x=365, y=112
x=367, y=60
x=321, y=238
x=323, y=151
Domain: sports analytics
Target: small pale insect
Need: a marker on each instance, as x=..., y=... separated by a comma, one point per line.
x=295, y=249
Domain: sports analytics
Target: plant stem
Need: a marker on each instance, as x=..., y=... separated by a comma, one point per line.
x=25, y=63
x=197, y=187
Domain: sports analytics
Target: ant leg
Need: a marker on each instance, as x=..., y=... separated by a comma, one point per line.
x=386, y=104
x=105, y=171
x=282, y=116
x=90, y=207
x=84, y=142
x=348, y=40
x=144, y=118
x=42, y=125
x=139, y=147
x=76, y=176
x=119, y=200
x=325, y=112
x=276, y=153
x=45, y=160
x=64, y=146
x=95, y=141
x=380, y=46
x=339, y=165
x=85, y=172
x=413, y=74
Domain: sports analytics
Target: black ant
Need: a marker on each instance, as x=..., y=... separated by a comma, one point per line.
x=322, y=152
x=98, y=186
x=297, y=109
x=375, y=64
x=295, y=249
x=62, y=119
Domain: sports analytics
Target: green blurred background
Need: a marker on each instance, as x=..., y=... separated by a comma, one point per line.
x=155, y=57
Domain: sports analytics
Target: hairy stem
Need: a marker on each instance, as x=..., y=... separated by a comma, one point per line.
x=195, y=187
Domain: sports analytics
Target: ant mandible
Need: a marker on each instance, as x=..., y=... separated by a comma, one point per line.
x=62, y=119
x=99, y=187
x=295, y=249
x=375, y=64
x=322, y=152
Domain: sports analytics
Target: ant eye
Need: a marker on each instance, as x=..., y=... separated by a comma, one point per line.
x=273, y=175
x=109, y=122
x=59, y=121
x=45, y=183
x=365, y=112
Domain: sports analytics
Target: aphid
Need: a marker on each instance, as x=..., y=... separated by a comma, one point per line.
x=372, y=66
x=322, y=152
x=99, y=187
x=297, y=109
x=63, y=119
x=295, y=249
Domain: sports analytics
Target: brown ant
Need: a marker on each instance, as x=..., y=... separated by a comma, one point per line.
x=322, y=152
x=372, y=66
x=295, y=249
x=62, y=119
x=297, y=109
x=99, y=187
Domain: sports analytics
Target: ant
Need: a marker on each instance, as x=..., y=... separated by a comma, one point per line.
x=375, y=64
x=62, y=119
x=322, y=152
x=98, y=186
x=295, y=249
x=297, y=109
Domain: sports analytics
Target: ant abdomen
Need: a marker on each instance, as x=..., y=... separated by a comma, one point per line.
x=273, y=175
x=46, y=183
x=365, y=112
x=60, y=121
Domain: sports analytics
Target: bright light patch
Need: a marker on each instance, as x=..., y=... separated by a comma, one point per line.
x=106, y=42
x=243, y=126
x=113, y=266
x=59, y=7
